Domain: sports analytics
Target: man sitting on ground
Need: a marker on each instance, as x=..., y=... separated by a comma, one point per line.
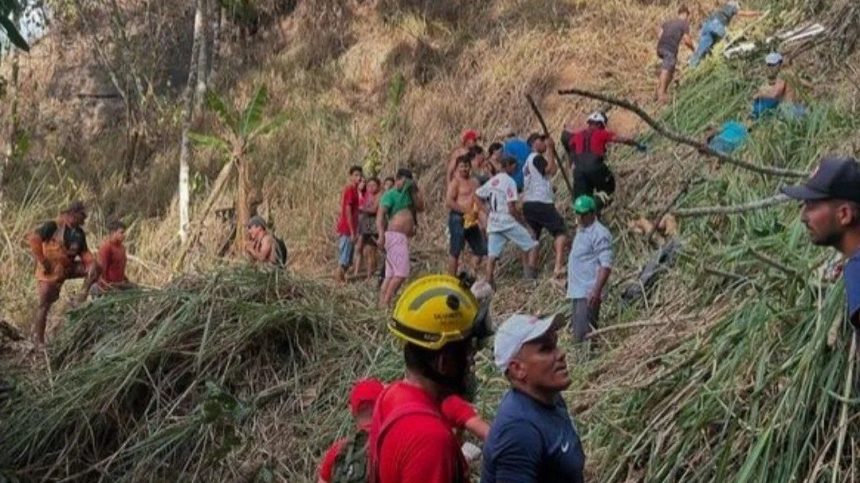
x=506, y=222
x=538, y=203
x=262, y=246
x=61, y=253
x=588, y=267
x=112, y=261
x=532, y=439
x=777, y=92
x=672, y=33
x=463, y=216
x=396, y=223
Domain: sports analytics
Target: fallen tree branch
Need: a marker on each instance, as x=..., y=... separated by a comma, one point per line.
x=631, y=325
x=767, y=260
x=681, y=139
x=731, y=209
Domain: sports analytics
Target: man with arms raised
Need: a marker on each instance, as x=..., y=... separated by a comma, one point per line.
x=538, y=204
x=831, y=213
x=396, y=223
x=532, y=439
x=463, y=216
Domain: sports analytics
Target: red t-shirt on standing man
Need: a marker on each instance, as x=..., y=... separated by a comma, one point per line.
x=348, y=199
x=599, y=139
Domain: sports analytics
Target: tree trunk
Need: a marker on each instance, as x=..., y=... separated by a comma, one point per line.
x=184, y=151
x=215, y=51
x=217, y=187
x=202, y=57
x=243, y=202
x=12, y=135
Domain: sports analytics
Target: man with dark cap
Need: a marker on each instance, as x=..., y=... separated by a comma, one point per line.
x=61, y=252
x=262, y=246
x=831, y=213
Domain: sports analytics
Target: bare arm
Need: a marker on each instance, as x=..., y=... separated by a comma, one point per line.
x=551, y=162
x=418, y=199
x=624, y=140
x=688, y=41
x=265, y=249
x=748, y=13
x=478, y=427
x=451, y=196
x=516, y=213
x=602, y=276
x=380, y=224
x=35, y=242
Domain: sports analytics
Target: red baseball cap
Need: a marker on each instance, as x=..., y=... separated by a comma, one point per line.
x=364, y=390
x=471, y=135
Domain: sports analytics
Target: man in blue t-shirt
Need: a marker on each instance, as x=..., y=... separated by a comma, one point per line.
x=532, y=438
x=831, y=213
x=518, y=149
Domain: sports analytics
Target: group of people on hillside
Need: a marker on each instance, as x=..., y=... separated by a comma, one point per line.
x=61, y=253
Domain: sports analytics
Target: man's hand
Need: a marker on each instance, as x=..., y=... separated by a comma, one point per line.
x=354, y=238
x=380, y=241
x=594, y=300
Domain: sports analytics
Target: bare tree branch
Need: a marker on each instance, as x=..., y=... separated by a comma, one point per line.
x=731, y=209
x=678, y=138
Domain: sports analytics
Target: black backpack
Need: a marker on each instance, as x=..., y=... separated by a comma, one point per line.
x=280, y=252
x=351, y=463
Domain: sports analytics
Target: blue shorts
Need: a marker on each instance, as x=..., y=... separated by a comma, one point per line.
x=345, y=249
x=461, y=235
x=516, y=234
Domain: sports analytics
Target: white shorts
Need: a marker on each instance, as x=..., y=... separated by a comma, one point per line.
x=516, y=234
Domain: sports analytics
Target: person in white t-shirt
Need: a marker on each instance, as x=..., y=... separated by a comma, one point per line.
x=538, y=207
x=505, y=222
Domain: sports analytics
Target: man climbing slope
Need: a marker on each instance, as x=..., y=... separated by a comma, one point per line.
x=714, y=28
x=538, y=197
x=61, y=253
x=396, y=223
x=831, y=213
x=591, y=174
x=672, y=33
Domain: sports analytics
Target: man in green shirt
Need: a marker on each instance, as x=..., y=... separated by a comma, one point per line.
x=395, y=223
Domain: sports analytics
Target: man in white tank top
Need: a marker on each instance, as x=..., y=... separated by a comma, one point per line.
x=538, y=206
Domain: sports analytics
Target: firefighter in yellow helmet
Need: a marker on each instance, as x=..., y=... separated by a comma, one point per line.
x=442, y=323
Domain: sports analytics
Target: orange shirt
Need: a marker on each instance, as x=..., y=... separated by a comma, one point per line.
x=112, y=260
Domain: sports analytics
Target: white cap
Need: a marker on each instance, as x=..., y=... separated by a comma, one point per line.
x=507, y=131
x=773, y=58
x=517, y=331
x=598, y=117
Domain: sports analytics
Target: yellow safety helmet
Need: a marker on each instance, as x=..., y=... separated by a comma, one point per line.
x=433, y=311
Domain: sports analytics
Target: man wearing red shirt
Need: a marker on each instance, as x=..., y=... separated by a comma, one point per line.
x=411, y=440
x=347, y=223
x=587, y=148
x=112, y=259
x=361, y=400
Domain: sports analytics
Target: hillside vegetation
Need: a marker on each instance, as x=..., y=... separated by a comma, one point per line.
x=735, y=367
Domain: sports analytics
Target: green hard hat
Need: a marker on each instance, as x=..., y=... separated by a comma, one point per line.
x=584, y=204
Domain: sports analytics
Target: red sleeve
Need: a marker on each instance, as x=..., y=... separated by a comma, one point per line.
x=327, y=464
x=457, y=411
x=420, y=448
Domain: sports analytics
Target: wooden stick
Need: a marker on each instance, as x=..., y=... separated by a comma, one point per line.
x=681, y=139
x=554, y=151
x=732, y=209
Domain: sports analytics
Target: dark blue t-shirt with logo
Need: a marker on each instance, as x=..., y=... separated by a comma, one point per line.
x=851, y=272
x=531, y=442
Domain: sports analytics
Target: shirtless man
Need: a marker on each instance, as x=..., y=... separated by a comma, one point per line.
x=776, y=91
x=469, y=139
x=261, y=247
x=463, y=223
x=61, y=252
x=395, y=223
